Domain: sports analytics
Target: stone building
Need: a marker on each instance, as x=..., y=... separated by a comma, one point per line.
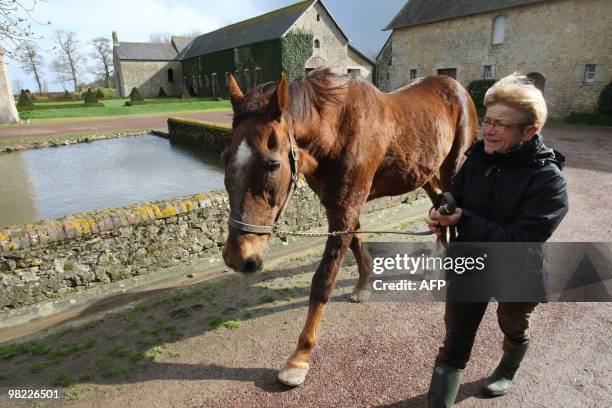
x=293, y=40
x=563, y=45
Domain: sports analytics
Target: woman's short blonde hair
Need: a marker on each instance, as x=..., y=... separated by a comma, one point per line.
x=518, y=92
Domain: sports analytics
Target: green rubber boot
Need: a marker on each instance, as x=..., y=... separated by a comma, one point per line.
x=444, y=385
x=500, y=381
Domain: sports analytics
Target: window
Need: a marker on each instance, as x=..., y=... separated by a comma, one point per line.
x=413, y=74
x=214, y=80
x=499, y=30
x=258, y=74
x=206, y=80
x=318, y=17
x=390, y=59
x=247, y=77
x=317, y=44
x=200, y=84
x=451, y=72
x=354, y=72
x=227, y=81
x=170, y=75
x=193, y=81
x=388, y=75
x=589, y=73
x=487, y=72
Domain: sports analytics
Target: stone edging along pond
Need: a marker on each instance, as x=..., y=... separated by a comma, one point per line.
x=13, y=145
x=51, y=258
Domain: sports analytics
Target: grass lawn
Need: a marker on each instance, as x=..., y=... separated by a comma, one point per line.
x=115, y=107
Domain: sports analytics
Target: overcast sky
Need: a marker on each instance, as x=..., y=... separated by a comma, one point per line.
x=134, y=20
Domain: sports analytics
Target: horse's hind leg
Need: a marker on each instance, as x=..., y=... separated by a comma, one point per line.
x=364, y=265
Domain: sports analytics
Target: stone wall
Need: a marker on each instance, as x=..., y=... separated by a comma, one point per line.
x=205, y=135
x=52, y=258
x=149, y=76
x=356, y=61
x=553, y=38
x=8, y=110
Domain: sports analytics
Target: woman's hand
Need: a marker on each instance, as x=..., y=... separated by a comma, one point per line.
x=435, y=220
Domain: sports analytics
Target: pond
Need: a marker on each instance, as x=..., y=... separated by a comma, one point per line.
x=50, y=183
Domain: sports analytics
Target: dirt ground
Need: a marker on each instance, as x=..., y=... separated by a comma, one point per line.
x=220, y=343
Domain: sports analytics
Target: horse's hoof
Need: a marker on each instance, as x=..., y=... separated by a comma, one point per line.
x=293, y=376
x=360, y=295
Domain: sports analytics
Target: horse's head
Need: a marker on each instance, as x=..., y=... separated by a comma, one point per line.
x=258, y=172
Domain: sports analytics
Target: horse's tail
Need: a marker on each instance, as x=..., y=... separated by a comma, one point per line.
x=466, y=130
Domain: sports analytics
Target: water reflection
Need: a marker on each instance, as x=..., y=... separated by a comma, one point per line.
x=50, y=183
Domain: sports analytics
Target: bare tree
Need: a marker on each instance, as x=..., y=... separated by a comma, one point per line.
x=160, y=38
x=69, y=49
x=62, y=71
x=103, y=59
x=31, y=61
x=193, y=34
x=15, y=25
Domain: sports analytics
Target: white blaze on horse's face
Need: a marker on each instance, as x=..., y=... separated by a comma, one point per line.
x=243, y=155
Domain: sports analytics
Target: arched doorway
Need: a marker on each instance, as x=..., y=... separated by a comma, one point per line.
x=538, y=80
x=314, y=63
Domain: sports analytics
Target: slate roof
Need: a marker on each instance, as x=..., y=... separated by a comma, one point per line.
x=146, y=51
x=181, y=42
x=269, y=26
x=417, y=12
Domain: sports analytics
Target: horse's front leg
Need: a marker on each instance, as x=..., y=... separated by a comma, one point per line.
x=295, y=370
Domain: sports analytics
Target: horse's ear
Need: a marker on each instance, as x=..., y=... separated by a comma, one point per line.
x=280, y=98
x=235, y=94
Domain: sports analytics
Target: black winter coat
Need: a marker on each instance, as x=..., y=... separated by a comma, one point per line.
x=515, y=196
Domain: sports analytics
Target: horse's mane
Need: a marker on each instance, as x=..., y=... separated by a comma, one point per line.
x=319, y=89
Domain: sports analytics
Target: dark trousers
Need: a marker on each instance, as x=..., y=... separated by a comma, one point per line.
x=462, y=321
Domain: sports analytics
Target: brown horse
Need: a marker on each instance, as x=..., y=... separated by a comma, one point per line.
x=354, y=144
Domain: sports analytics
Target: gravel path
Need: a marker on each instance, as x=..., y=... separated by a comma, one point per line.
x=62, y=127
x=381, y=354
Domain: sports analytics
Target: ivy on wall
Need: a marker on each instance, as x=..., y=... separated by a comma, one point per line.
x=253, y=64
x=296, y=49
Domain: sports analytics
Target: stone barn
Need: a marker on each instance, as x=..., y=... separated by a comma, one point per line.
x=293, y=40
x=563, y=45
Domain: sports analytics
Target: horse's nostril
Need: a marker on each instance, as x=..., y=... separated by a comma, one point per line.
x=250, y=265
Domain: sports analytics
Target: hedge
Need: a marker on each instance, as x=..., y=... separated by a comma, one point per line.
x=160, y=102
x=62, y=106
x=477, y=90
x=597, y=119
x=604, y=103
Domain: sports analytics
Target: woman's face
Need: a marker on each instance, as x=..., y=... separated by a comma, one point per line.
x=504, y=127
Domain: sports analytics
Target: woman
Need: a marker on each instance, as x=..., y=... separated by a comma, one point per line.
x=510, y=189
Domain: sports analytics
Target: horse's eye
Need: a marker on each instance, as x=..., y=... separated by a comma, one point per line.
x=272, y=165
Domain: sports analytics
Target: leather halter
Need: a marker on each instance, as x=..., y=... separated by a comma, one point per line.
x=270, y=229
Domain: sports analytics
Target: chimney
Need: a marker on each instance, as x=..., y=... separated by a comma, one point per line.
x=115, y=39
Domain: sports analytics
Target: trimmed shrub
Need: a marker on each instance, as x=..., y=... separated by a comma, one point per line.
x=477, y=90
x=161, y=93
x=135, y=95
x=99, y=94
x=24, y=100
x=90, y=97
x=604, y=103
x=185, y=94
